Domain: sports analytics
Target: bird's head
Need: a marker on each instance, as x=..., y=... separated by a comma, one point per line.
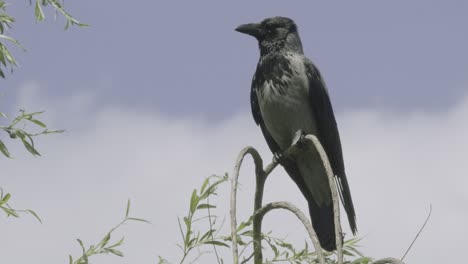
x=273, y=33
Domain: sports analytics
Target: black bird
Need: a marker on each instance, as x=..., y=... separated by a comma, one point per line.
x=288, y=94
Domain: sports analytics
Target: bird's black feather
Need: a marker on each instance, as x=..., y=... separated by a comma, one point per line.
x=294, y=84
x=329, y=136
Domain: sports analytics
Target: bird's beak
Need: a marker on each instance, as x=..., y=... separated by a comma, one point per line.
x=252, y=29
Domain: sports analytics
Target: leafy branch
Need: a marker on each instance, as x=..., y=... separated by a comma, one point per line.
x=104, y=247
x=10, y=211
x=7, y=60
x=281, y=250
x=200, y=201
x=16, y=130
x=58, y=7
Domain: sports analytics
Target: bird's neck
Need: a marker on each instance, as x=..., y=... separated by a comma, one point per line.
x=291, y=43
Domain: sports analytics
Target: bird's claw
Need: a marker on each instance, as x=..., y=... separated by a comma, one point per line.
x=298, y=139
x=277, y=157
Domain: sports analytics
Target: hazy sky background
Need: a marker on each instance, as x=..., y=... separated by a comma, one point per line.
x=155, y=97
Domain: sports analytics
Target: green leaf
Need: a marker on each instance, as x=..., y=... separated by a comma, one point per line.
x=34, y=214
x=118, y=243
x=70, y=259
x=245, y=224
x=205, y=206
x=105, y=240
x=5, y=199
x=84, y=256
x=9, y=211
x=38, y=12
x=138, y=219
x=115, y=252
x=206, y=235
x=205, y=183
x=28, y=145
x=275, y=250
x=4, y=149
x=212, y=188
x=37, y=122
x=12, y=40
x=193, y=201
x=128, y=209
x=216, y=243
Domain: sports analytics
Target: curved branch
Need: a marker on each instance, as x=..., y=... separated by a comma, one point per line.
x=302, y=217
x=257, y=222
x=333, y=188
x=261, y=176
x=259, y=173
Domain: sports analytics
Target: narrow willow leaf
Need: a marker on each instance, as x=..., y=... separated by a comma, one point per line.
x=38, y=12
x=205, y=206
x=29, y=147
x=128, y=209
x=192, y=242
x=193, y=201
x=105, y=240
x=9, y=211
x=245, y=224
x=139, y=219
x=35, y=215
x=205, y=183
x=216, y=243
x=4, y=150
x=37, y=122
x=84, y=256
x=206, y=235
x=5, y=199
x=118, y=243
x=12, y=40
x=115, y=252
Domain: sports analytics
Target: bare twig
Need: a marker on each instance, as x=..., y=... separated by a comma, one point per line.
x=302, y=217
x=334, y=193
x=419, y=232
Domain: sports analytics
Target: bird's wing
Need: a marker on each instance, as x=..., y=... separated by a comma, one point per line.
x=328, y=136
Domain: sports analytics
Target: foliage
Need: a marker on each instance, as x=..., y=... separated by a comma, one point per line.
x=6, y=58
x=104, y=247
x=281, y=251
x=9, y=211
x=16, y=130
x=200, y=201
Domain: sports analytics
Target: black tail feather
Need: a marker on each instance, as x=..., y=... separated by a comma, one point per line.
x=323, y=223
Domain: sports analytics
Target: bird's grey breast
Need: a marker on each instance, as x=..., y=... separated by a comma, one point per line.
x=282, y=90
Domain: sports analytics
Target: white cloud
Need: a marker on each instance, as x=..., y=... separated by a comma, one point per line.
x=397, y=165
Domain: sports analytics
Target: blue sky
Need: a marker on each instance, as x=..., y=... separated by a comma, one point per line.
x=155, y=96
x=186, y=59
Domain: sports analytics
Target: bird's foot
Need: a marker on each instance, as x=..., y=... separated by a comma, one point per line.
x=298, y=140
x=277, y=157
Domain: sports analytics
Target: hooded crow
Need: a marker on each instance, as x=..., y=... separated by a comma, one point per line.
x=288, y=95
